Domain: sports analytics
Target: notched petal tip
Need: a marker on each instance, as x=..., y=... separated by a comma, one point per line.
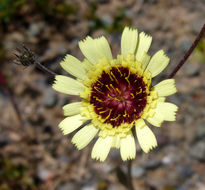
x=84, y=136
x=129, y=41
x=146, y=138
x=166, y=87
x=128, y=147
x=151, y=148
x=158, y=63
x=95, y=49
x=102, y=148
x=143, y=46
x=70, y=124
x=67, y=85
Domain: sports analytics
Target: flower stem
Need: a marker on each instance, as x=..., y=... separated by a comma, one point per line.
x=188, y=53
x=14, y=104
x=44, y=69
x=129, y=175
x=9, y=93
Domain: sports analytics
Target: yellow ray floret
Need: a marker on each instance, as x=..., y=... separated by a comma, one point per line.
x=146, y=137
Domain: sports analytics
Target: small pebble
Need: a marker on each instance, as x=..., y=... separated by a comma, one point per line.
x=91, y=185
x=152, y=164
x=185, y=45
x=191, y=69
x=4, y=140
x=44, y=174
x=67, y=186
x=200, y=130
x=49, y=98
x=198, y=151
x=36, y=28
x=138, y=171
x=107, y=20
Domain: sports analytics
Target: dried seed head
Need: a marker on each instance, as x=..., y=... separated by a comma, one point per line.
x=25, y=56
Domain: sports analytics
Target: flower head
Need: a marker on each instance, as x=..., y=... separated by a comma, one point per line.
x=117, y=95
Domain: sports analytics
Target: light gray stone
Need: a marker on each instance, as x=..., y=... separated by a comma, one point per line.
x=138, y=171
x=198, y=151
x=191, y=69
x=36, y=28
x=67, y=186
x=49, y=98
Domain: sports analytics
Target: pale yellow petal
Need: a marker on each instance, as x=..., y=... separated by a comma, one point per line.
x=143, y=46
x=94, y=49
x=140, y=123
x=88, y=49
x=84, y=136
x=72, y=108
x=167, y=110
x=166, y=87
x=73, y=66
x=103, y=48
x=87, y=65
x=69, y=124
x=128, y=147
x=116, y=142
x=101, y=148
x=164, y=111
x=145, y=60
x=156, y=120
x=67, y=85
x=146, y=138
x=161, y=99
x=158, y=63
x=129, y=41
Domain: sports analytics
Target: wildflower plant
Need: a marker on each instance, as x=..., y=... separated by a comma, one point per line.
x=117, y=96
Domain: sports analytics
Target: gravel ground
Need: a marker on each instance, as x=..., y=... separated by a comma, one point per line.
x=35, y=154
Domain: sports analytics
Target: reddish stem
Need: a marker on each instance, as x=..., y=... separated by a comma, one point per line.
x=188, y=53
x=2, y=80
x=5, y=86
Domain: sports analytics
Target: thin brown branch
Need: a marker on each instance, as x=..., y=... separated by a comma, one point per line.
x=14, y=104
x=5, y=86
x=188, y=53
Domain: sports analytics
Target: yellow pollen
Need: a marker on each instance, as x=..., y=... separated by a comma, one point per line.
x=100, y=82
x=113, y=76
x=97, y=99
x=139, y=91
x=132, y=95
x=96, y=88
x=128, y=74
x=118, y=90
x=110, y=96
x=100, y=108
x=108, y=115
x=116, y=99
x=125, y=114
x=112, y=86
x=126, y=78
x=113, y=119
x=110, y=76
x=108, y=88
x=103, y=111
x=119, y=71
